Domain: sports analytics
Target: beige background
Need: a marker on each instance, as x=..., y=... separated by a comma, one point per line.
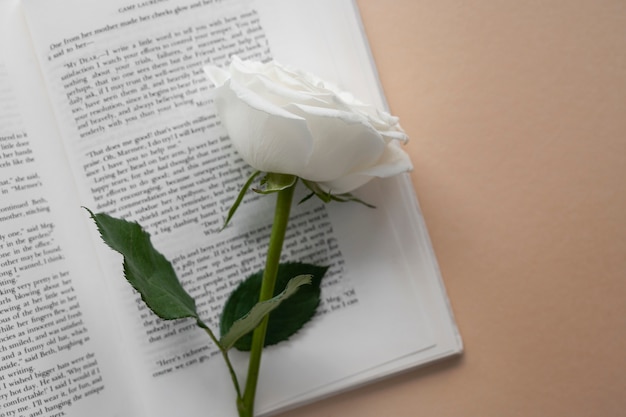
x=516, y=112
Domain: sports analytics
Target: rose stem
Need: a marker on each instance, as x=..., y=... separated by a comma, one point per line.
x=279, y=227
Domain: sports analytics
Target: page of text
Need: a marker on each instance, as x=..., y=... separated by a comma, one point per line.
x=52, y=359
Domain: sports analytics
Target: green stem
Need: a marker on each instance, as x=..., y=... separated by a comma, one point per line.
x=281, y=218
x=224, y=352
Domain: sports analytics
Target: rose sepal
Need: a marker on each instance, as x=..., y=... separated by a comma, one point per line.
x=274, y=182
x=327, y=196
x=240, y=196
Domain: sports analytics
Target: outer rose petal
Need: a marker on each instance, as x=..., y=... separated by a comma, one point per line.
x=268, y=138
x=345, y=184
x=344, y=142
x=393, y=162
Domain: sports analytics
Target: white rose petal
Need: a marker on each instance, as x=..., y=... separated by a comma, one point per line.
x=290, y=122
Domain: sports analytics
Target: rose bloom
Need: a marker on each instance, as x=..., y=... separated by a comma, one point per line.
x=287, y=121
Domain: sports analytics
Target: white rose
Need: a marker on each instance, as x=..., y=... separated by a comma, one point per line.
x=286, y=121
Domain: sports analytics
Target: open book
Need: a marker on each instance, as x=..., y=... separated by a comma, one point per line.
x=105, y=105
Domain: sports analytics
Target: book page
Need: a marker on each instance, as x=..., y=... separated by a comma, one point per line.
x=54, y=359
x=144, y=143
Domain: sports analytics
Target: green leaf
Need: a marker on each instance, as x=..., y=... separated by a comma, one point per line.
x=252, y=319
x=276, y=182
x=239, y=198
x=289, y=317
x=147, y=270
